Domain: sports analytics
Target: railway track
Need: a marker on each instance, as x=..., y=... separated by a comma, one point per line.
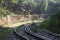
x=42, y=34
x=25, y=36
x=22, y=33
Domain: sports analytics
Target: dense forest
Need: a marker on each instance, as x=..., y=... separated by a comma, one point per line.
x=28, y=7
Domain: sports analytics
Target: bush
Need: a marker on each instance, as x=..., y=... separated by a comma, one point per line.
x=51, y=24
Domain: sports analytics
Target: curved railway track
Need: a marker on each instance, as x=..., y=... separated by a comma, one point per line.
x=21, y=32
x=24, y=33
x=42, y=34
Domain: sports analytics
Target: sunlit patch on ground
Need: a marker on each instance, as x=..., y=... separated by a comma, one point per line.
x=20, y=23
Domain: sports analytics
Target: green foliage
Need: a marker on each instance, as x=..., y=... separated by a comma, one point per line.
x=45, y=23
x=52, y=24
x=24, y=6
x=3, y=11
x=14, y=1
x=55, y=23
x=18, y=6
x=35, y=27
x=3, y=32
x=46, y=4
